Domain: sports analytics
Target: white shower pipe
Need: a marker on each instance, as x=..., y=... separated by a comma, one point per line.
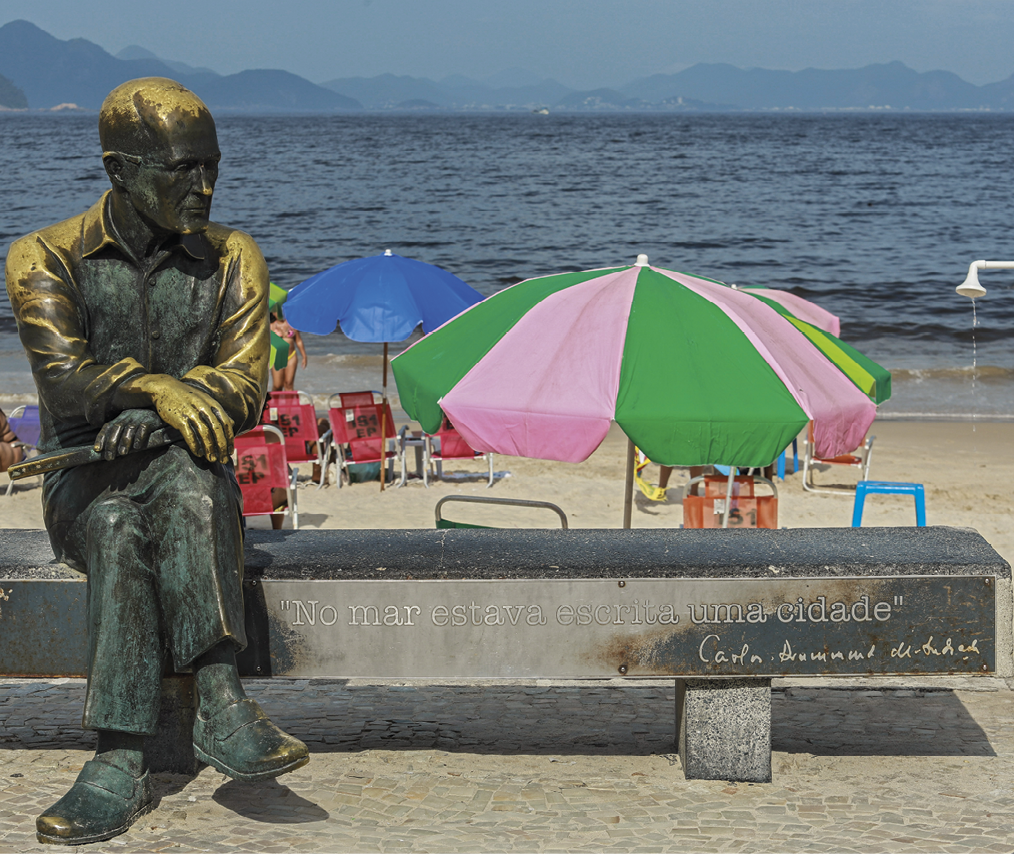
x=970, y=287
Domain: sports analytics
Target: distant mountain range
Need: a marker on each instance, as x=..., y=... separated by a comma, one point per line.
x=11, y=96
x=39, y=71
x=890, y=85
x=386, y=92
x=51, y=72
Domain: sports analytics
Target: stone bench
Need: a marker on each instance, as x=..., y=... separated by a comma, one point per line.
x=721, y=612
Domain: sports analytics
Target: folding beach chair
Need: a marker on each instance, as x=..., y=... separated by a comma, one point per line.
x=286, y=396
x=447, y=444
x=441, y=522
x=261, y=466
x=348, y=399
x=859, y=459
x=355, y=434
x=332, y=450
x=24, y=421
x=298, y=423
x=746, y=508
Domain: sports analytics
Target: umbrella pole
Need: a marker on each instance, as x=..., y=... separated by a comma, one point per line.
x=728, y=496
x=383, y=427
x=628, y=501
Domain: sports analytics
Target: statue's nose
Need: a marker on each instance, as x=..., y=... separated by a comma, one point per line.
x=206, y=186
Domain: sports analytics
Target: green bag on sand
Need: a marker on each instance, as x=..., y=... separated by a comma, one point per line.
x=364, y=472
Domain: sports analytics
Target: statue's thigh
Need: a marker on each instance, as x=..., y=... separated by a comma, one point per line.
x=71, y=497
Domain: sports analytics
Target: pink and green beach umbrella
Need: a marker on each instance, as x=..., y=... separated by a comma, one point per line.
x=693, y=371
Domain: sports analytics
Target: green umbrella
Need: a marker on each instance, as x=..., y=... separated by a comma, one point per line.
x=279, y=346
x=694, y=371
x=276, y=295
x=279, y=352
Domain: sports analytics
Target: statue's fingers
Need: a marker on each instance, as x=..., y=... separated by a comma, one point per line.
x=216, y=436
x=112, y=440
x=100, y=439
x=126, y=440
x=141, y=436
x=191, y=437
x=214, y=440
x=228, y=431
x=226, y=423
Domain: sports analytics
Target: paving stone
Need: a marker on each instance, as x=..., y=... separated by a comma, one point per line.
x=479, y=767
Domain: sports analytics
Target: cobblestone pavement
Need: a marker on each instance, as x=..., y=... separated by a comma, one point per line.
x=866, y=765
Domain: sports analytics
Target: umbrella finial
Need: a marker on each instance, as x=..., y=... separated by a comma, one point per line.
x=388, y=252
x=642, y=260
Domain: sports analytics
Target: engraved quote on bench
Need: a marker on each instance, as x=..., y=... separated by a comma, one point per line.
x=601, y=627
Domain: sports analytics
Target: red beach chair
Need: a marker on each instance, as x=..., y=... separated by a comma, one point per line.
x=859, y=459
x=356, y=433
x=447, y=444
x=261, y=467
x=298, y=424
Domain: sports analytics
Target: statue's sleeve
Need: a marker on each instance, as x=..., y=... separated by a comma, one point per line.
x=238, y=374
x=48, y=311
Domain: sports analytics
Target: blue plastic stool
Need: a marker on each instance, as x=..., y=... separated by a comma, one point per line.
x=781, y=461
x=868, y=487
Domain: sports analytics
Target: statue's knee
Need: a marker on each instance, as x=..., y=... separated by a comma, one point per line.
x=113, y=520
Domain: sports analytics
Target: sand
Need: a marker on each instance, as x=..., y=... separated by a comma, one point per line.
x=966, y=467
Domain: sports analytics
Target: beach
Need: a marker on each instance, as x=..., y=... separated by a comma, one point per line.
x=966, y=467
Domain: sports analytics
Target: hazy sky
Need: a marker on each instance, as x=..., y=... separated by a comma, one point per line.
x=581, y=43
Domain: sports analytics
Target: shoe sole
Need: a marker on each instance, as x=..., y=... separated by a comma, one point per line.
x=249, y=778
x=98, y=837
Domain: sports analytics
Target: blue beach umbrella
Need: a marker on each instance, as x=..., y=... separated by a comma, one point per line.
x=378, y=299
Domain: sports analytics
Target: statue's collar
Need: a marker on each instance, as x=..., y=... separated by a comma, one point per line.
x=98, y=232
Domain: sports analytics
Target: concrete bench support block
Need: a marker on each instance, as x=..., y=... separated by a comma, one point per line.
x=724, y=729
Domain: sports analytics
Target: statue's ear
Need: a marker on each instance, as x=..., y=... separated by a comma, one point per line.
x=116, y=168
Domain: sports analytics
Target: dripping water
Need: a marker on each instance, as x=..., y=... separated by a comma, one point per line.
x=975, y=407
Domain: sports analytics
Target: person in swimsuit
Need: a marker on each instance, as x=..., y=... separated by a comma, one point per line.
x=285, y=379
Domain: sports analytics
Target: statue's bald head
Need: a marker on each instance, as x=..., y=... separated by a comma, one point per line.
x=161, y=154
x=143, y=115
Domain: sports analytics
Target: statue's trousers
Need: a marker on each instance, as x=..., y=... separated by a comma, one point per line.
x=159, y=535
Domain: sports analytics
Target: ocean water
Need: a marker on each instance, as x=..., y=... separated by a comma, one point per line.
x=873, y=217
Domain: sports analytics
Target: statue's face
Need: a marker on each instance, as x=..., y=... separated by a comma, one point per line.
x=172, y=185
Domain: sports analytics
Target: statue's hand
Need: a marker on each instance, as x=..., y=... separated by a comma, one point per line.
x=127, y=432
x=205, y=427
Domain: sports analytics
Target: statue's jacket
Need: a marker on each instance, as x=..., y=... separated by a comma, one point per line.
x=90, y=319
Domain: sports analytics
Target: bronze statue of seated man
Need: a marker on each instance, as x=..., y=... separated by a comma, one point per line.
x=137, y=315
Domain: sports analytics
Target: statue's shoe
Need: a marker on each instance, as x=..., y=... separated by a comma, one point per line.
x=240, y=741
x=103, y=802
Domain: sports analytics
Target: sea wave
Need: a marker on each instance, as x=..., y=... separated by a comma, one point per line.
x=980, y=373
x=345, y=360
